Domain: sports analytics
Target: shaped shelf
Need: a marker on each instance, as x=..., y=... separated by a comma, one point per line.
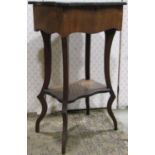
x=77, y=90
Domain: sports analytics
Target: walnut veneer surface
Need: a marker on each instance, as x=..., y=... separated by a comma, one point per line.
x=66, y=18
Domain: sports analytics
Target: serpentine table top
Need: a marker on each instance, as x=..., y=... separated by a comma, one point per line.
x=65, y=17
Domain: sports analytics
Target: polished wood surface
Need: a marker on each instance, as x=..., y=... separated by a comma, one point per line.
x=67, y=18
x=77, y=90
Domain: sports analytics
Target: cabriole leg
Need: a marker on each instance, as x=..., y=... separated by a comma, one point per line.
x=109, y=35
x=47, y=75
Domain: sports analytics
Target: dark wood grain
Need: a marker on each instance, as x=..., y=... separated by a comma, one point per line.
x=65, y=21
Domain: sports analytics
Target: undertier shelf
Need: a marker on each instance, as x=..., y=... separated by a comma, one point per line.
x=77, y=90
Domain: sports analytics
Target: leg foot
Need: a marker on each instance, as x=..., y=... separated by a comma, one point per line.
x=109, y=108
x=64, y=132
x=87, y=106
x=43, y=112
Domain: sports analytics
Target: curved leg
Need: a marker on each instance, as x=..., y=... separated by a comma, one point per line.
x=109, y=35
x=109, y=108
x=87, y=66
x=87, y=106
x=65, y=92
x=47, y=75
x=42, y=100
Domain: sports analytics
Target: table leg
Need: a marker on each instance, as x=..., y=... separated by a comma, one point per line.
x=87, y=66
x=109, y=35
x=65, y=53
x=47, y=75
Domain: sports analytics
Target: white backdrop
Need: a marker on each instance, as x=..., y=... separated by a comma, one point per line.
x=76, y=51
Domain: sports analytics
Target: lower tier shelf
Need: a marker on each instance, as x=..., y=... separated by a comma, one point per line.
x=77, y=90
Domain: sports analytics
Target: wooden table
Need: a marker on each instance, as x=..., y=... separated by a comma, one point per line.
x=66, y=18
